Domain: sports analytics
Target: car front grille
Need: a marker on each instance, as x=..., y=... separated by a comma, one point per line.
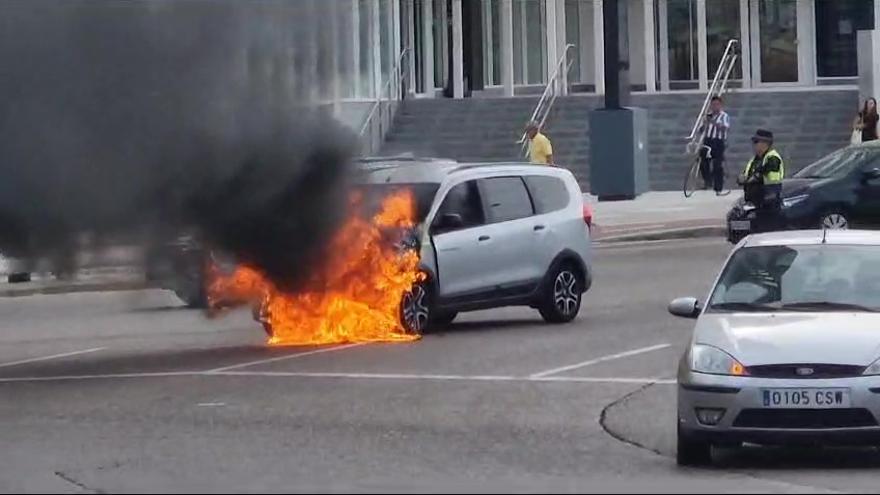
x=806, y=371
x=793, y=419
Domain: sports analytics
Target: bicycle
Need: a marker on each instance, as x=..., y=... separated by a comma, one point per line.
x=694, y=178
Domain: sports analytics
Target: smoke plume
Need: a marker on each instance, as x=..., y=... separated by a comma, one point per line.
x=159, y=116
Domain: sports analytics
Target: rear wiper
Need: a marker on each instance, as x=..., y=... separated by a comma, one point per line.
x=744, y=306
x=828, y=306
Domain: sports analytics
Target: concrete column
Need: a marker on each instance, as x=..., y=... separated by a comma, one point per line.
x=650, y=48
x=876, y=14
x=335, y=49
x=488, y=48
x=806, y=47
x=457, y=51
x=428, y=46
x=745, y=43
x=506, y=18
x=702, y=47
x=396, y=48
x=599, y=45
x=443, y=39
x=376, y=49
x=356, y=48
x=662, y=13
x=561, y=36
x=410, y=16
x=550, y=41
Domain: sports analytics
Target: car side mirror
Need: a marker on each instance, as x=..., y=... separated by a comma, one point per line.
x=686, y=307
x=448, y=221
x=871, y=174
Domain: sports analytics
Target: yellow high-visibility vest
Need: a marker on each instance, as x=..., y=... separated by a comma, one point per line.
x=771, y=177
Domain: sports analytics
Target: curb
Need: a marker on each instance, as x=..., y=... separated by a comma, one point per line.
x=668, y=234
x=106, y=286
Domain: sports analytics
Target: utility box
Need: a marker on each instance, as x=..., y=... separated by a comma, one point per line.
x=618, y=153
x=869, y=64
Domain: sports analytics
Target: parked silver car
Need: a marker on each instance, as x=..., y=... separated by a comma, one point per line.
x=786, y=349
x=492, y=234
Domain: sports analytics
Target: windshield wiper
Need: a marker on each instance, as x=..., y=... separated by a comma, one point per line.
x=744, y=306
x=811, y=177
x=828, y=306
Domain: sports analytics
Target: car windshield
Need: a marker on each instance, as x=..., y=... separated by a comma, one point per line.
x=424, y=193
x=800, y=278
x=838, y=164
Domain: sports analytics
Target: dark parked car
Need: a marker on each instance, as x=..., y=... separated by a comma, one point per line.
x=839, y=191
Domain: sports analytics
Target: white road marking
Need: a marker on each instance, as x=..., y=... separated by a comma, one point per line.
x=449, y=378
x=54, y=356
x=211, y=404
x=368, y=376
x=64, y=378
x=285, y=357
x=602, y=359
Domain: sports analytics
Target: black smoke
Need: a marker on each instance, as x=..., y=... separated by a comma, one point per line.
x=156, y=117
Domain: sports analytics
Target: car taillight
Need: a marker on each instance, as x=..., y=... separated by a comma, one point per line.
x=588, y=215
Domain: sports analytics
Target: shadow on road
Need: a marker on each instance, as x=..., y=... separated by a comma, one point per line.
x=780, y=458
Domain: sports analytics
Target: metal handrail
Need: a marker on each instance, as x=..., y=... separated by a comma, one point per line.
x=386, y=90
x=718, y=87
x=548, y=98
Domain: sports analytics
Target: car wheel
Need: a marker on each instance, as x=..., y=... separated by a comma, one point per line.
x=443, y=317
x=415, y=310
x=692, y=452
x=834, y=220
x=561, y=300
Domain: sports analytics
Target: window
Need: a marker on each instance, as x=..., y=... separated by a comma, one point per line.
x=838, y=164
x=423, y=193
x=800, y=278
x=463, y=200
x=837, y=25
x=548, y=193
x=506, y=198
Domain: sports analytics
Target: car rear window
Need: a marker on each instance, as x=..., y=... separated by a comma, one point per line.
x=506, y=198
x=548, y=193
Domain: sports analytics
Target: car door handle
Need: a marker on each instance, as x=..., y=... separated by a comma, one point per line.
x=539, y=227
x=484, y=238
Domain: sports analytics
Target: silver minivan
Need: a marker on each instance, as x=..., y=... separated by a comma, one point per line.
x=492, y=235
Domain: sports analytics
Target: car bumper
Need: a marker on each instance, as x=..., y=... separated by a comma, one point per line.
x=736, y=395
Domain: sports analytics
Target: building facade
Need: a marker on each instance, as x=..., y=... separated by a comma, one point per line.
x=504, y=47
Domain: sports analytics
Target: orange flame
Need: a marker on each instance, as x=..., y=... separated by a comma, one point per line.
x=354, y=296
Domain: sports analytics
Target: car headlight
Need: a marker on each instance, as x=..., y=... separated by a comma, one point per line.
x=873, y=369
x=794, y=200
x=714, y=361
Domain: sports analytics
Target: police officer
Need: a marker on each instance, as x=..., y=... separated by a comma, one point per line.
x=762, y=180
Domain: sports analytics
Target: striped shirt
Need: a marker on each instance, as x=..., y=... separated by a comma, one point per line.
x=719, y=124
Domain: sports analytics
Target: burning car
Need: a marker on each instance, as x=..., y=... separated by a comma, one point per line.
x=427, y=239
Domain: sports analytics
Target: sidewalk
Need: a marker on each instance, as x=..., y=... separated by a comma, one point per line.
x=661, y=215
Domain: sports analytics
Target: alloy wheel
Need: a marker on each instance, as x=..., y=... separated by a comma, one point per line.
x=835, y=221
x=566, y=295
x=416, y=311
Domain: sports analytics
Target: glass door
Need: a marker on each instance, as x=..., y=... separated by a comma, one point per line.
x=774, y=41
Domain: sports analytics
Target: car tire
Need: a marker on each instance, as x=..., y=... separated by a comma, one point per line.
x=415, y=309
x=443, y=318
x=562, y=295
x=834, y=219
x=692, y=452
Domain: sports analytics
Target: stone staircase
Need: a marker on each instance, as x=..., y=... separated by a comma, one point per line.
x=808, y=124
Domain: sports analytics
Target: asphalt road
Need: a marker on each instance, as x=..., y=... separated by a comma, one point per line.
x=127, y=392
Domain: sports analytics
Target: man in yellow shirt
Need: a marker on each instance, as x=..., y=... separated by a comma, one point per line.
x=540, y=149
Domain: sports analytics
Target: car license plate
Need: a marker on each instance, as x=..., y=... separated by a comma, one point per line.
x=741, y=225
x=806, y=398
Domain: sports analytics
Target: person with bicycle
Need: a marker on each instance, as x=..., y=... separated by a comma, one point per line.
x=716, y=127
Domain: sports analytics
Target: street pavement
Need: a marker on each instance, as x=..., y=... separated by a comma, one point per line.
x=128, y=392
